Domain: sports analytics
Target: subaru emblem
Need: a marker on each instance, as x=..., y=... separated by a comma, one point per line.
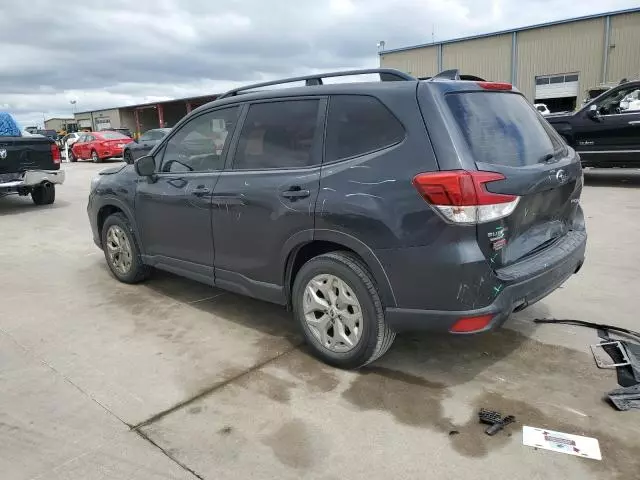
x=3, y=153
x=561, y=176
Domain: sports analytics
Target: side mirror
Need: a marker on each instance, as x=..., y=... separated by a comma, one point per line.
x=593, y=112
x=145, y=166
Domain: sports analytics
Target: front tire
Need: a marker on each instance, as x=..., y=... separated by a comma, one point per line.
x=72, y=157
x=128, y=157
x=121, y=250
x=339, y=311
x=94, y=157
x=44, y=194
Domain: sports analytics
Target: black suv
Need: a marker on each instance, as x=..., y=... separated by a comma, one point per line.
x=368, y=208
x=605, y=131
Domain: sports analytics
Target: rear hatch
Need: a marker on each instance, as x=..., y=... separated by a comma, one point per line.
x=18, y=154
x=499, y=131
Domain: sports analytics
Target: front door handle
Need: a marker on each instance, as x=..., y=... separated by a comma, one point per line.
x=295, y=193
x=635, y=123
x=202, y=192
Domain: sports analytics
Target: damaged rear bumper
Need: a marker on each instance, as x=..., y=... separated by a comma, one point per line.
x=520, y=285
x=31, y=178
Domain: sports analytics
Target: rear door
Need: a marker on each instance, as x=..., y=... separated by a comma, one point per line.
x=267, y=194
x=501, y=132
x=87, y=145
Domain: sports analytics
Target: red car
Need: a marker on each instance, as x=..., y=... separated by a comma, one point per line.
x=98, y=146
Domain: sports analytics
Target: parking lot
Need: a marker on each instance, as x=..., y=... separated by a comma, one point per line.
x=172, y=379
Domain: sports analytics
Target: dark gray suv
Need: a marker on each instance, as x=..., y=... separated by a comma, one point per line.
x=368, y=208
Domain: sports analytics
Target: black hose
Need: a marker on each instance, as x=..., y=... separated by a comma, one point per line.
x=582, y=323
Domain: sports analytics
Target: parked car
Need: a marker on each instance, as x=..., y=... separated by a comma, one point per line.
x=368, y=208
x=69, y=139
x=98, y=146
x=51, y=134
x=605, y=131
x=29, y=163
x=124, y=131
x=141, y=147
x=542, y=108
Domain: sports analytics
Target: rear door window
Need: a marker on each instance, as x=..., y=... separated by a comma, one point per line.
x=503, y=129
x=359, y=124
x=279, y=134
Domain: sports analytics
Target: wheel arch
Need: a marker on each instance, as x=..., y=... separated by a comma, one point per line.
x=108, y=208
x=325, y=241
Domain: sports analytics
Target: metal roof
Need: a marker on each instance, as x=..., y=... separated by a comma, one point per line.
x=511, y=30
x=207, y=98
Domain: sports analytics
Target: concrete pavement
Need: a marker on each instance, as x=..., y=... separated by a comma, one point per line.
x=216, y=386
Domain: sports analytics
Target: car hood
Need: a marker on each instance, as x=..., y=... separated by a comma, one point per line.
x=112, y=170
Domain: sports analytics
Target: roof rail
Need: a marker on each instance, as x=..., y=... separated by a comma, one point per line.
x=386, y=75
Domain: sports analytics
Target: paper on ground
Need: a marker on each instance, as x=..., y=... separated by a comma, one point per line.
x=561, y=442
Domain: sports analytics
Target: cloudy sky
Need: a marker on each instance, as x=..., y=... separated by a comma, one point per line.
x=105, y=53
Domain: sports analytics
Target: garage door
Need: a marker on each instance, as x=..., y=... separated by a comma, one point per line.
x=557, y=86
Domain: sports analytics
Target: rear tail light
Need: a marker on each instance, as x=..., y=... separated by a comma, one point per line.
x=462, y=197
x=471, y=324
x=496, y=85
x=55, y=153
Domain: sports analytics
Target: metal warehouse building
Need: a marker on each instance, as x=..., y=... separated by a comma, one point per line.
x=553, y=63
x=142, y=117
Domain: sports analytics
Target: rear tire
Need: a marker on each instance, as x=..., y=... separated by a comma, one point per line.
x=44, y=194
x=128, y=158
x=121, y=250
x=345, y=339
x=94, y=157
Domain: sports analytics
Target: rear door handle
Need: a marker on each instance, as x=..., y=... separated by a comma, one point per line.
x=635, y=123
x=294, y=193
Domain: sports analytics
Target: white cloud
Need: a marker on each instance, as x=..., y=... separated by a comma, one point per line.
x=113, y=53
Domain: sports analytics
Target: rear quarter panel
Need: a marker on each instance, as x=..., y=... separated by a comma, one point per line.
x=371, y=197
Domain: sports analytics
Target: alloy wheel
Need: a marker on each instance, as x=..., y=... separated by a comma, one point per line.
x=333, y=313
x=119, y=250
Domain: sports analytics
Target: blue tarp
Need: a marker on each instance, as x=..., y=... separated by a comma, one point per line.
x=8, y=126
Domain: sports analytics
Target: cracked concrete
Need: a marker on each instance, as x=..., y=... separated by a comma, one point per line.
x=217, y=386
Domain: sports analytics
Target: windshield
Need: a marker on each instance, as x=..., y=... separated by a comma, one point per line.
x=503, y=129
x=113, y=136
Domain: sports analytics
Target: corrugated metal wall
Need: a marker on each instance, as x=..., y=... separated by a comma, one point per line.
x=572, y=47
x=113, y=114
x=624, y=57
x=421, y=62
x=488, y=57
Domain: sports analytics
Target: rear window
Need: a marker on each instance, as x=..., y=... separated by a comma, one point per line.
x=503, y=129
x=359, y=124
x=113, y=136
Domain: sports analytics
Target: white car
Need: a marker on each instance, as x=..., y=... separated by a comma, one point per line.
x=70, y=139
x=542, y=108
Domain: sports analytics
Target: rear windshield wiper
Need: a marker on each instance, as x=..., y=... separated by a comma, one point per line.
x=546, y=158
